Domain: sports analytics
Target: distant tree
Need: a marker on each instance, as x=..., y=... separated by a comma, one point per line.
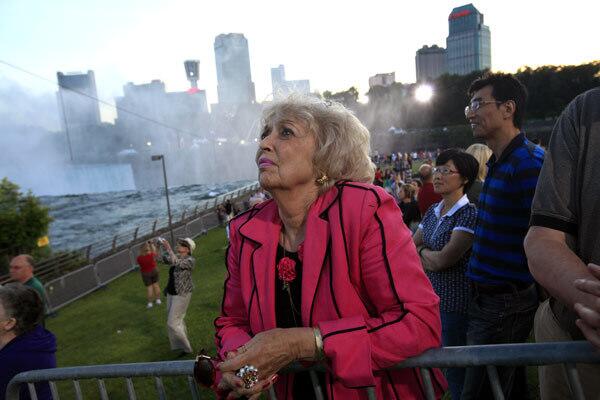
x=550, y=89
x=23, y=220
x=349, y=97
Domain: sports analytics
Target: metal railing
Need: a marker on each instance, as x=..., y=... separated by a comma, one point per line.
x=489, y=356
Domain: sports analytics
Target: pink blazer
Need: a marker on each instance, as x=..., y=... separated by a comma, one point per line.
x=362, y=284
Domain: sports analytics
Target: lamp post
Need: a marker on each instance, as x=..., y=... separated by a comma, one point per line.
x=162, y=158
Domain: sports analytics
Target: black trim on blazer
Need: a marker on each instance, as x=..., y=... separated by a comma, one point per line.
x=226, y=280
x=325, y=213
x=251, y=215
x=387, y=262
x=404, y=312
x=254, y=290
x=343, y=331
x=341, y=188
x=328, y=257
x=252, y=293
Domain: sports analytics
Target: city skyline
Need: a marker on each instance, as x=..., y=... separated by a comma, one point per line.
x=334, y=48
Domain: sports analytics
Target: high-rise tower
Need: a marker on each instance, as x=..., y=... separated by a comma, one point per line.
x=468, y=45
x=234, y=79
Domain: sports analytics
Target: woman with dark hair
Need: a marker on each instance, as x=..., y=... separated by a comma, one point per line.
x=24, y=343
x=444, y=240
x=325, y=271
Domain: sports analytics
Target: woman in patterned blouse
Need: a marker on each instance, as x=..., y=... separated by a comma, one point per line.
x=179, y=291
x=444, y=240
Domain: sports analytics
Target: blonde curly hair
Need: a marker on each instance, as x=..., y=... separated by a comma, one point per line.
x=342, y=141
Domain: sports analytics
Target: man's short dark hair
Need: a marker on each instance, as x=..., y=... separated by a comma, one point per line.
x=466, y=165
x=23, y=304
x=505, y=87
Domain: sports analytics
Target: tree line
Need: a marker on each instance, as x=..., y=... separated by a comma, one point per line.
x=550, y=89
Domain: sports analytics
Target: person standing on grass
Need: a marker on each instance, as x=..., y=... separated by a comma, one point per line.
x=179, y=291
x=147, y=262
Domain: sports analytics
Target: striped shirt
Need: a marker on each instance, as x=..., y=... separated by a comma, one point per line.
x=505, y=201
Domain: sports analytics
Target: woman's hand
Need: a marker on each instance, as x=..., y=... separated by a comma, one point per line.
x=268, y=352
x=233, y=384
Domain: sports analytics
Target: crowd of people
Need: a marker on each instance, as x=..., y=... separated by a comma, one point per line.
x=340, y=262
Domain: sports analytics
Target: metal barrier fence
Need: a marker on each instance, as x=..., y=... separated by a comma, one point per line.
x=490, y=356
x=107, y=261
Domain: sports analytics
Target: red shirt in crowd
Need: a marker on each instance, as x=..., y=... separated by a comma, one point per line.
x=427, y=197
x=147, y=262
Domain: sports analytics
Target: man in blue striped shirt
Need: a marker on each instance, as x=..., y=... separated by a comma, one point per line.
x=505, y=298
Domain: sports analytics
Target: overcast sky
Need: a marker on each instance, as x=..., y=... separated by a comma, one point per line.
x=334, y=44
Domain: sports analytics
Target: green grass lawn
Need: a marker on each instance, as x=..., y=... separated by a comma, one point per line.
x=112, y=325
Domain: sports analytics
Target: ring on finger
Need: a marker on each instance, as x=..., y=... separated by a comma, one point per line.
x=249, y=375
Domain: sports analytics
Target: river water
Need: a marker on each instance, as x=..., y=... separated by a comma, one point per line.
x=83, y=219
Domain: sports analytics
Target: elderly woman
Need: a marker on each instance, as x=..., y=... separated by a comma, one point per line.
x=24, y=343
x=325, y=271
x=444, y=240
x=179, y=291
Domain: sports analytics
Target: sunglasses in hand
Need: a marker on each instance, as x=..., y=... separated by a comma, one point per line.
x=204, y=369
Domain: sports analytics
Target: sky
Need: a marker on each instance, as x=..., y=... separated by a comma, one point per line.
x=335, y=44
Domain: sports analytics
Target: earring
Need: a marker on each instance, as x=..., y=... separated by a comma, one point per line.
x=322, y=180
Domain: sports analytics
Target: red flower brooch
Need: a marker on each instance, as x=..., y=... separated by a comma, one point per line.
x=286, y=271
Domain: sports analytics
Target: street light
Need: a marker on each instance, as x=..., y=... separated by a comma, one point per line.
x=162, y=158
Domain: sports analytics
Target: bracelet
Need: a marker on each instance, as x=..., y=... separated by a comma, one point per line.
x=319, y=353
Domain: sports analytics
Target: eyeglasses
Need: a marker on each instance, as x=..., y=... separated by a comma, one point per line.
x=444, y=170
x=477, y=104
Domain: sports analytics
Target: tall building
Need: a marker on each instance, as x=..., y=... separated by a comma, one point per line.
x=468, y=42
x=234, y=80
x=283, y=87
x=382, y=79
x=77, y=100
x=430, y=62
